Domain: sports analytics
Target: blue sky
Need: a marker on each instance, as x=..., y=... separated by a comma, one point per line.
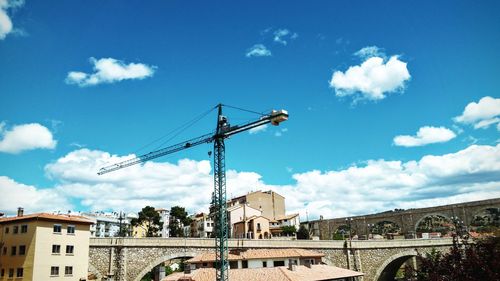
x=85, y=83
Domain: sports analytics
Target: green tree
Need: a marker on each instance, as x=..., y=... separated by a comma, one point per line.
x=303, y=233
x=178, y=219
x=149, y=220
x=465, y=262
x=288, y=230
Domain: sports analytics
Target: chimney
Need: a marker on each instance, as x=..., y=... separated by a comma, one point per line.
x=20, y=212
x=291, y=265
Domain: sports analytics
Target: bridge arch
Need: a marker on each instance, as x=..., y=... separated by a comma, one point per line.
x=440, y=214
x=161, y=259
x=378, y=226
x=390, y=266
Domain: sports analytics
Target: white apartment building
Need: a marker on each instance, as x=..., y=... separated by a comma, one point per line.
x=108, y=224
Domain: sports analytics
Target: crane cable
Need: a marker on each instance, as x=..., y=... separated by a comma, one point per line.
x=179, y=130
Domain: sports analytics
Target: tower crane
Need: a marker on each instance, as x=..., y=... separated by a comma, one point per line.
x=223, y=131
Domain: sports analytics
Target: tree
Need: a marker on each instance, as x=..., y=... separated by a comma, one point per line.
x=178, y=219
x=149, y=220
x=303, y=233
x=288, y=230
x=465, y=262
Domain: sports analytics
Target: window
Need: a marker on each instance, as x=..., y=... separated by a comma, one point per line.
x=4, y=251
x=68, y=270
x=2, y=272
x=15, y=229
x=13, y=251
x=264, y=264
x=11, y=272
x=54, y=271
x=22, y=250
x=278, y=263
x=24, y=228
x=6, y=230
x=57, y=228
x=69, y=249
x=56, y=249
x=258, y=226
x=244, y=264
x=71, y=229
x=19, y=272
x=233, y=264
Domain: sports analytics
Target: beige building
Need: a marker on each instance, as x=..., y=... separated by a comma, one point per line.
x=269, y=202
x=255, y=227
x=44, y=247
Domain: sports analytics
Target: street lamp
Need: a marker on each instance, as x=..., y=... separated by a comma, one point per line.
x=459, y=225
x=370, y=226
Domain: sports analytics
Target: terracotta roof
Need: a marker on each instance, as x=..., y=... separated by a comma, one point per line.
x=302, y=273
x=287, y=217
x=49, y=217
x=259, y=254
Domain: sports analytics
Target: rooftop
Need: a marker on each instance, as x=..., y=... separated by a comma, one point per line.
x=47, y=216
x=259, y=254
x=301, y=273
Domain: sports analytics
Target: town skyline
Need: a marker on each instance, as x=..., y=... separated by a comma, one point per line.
x=388, y=109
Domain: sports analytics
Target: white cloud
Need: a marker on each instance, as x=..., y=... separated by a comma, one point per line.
x=425, y=135
x=482, y=114
x=25, y=137
x=109, y=70
x=16, y=195
x=369, y=52
x=258, y=50
x=6, y=25
x=282, y=35
x=373, y=79
x=376, y=185
x=257, y=130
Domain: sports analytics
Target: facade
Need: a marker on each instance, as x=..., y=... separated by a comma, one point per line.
x=268, y=265
x=108, y=224
x=269, y=202
x=165, y=218
x=288, y=220
x=255, y=227
x=237, y=214
x=44, y=247
x=201, y=226
x=247, y=212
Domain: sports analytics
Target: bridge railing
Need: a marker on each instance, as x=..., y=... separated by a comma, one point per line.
x=239, y=243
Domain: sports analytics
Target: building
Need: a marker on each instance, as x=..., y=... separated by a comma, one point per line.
x=109, y=224
x=276, y=226
x=254, y=227
x=240, y=213
x=268, y=265
x=44, y=247
x=201, y=226
x=246, y=215
x=269, y=202
x=165, y=219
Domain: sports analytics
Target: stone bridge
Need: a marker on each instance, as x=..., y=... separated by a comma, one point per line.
x=130, y=259
x=408, y=220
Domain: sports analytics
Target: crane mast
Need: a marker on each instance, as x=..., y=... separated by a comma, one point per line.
x=219, y=198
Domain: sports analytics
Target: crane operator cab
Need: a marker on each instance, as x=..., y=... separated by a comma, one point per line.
x=223, y=124
x=278, y=116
